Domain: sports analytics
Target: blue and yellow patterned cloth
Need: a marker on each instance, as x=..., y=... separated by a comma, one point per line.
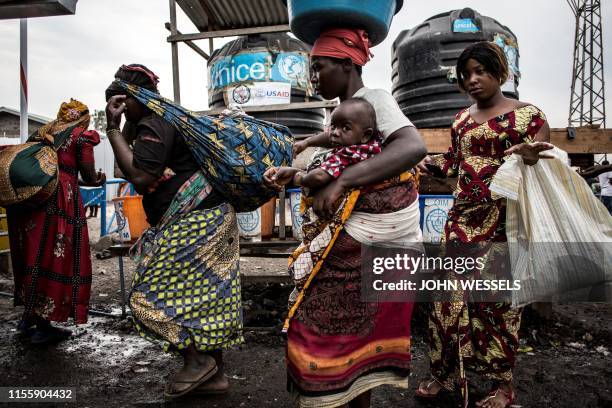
x=234, y=153
x=189, y=293
x=186, y=288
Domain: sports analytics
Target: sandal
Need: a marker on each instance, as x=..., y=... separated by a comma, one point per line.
x=425, y=395
x=510, y=396
x=193, y=384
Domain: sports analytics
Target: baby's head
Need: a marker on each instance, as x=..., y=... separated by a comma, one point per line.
x=353, y=122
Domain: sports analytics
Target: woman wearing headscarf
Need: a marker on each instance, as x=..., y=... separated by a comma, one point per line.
x=186, y=289
x=340, y=347
x=50, y=243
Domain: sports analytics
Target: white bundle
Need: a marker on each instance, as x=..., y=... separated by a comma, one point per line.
x=559, y=233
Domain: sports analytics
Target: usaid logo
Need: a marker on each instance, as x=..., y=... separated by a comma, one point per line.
x=272, y=93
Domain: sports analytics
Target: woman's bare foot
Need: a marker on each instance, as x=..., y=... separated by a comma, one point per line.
x=217, y=385
x=428, y=389
x=501, y=397
x=197, y=369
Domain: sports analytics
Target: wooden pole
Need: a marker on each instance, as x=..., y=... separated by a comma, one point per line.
x=191, y=44
x=175, y=60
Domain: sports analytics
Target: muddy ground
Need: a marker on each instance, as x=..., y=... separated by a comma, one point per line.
x=564, y=361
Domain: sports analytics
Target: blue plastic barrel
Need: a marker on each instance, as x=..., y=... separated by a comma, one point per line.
x=307, y=18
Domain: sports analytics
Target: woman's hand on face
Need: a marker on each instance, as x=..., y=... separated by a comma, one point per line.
x=531, y=152
x=114, y=109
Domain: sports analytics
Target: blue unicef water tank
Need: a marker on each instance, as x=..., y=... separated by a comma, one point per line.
x=266, y=69
x=307, y=18
x=423, y=60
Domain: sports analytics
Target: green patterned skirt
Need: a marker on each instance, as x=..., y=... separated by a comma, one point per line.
x=186, y=288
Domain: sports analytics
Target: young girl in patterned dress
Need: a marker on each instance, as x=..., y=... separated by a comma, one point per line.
x=482, y=337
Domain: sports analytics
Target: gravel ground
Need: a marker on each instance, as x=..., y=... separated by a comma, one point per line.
x=564, y=361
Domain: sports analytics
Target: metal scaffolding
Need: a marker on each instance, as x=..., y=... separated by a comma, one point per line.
x=587, y=101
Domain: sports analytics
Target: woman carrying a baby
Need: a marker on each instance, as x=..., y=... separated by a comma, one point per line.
x=362, y=192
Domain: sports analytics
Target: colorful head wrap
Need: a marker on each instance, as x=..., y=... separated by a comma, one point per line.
x=343, y=43
x=154, y=79
x=71, y=111
x=70, y=114
x=133, y=74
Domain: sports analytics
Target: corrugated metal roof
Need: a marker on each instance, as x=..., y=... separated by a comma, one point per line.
x=10, y=9
x=36, y=118
x=212, y=15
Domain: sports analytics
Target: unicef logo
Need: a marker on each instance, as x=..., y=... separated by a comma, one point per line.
x=435, y=220
x=292, y=67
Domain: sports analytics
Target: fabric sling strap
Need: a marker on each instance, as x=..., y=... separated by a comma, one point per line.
x=233, y=153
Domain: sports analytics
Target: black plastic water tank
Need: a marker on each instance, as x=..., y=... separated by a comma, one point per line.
x=424, y=81
x=258, y=69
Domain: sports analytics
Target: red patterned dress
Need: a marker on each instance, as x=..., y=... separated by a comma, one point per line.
x=50, y=244
x=482, y=337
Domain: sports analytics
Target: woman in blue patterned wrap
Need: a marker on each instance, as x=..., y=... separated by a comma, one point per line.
x=186, y=288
